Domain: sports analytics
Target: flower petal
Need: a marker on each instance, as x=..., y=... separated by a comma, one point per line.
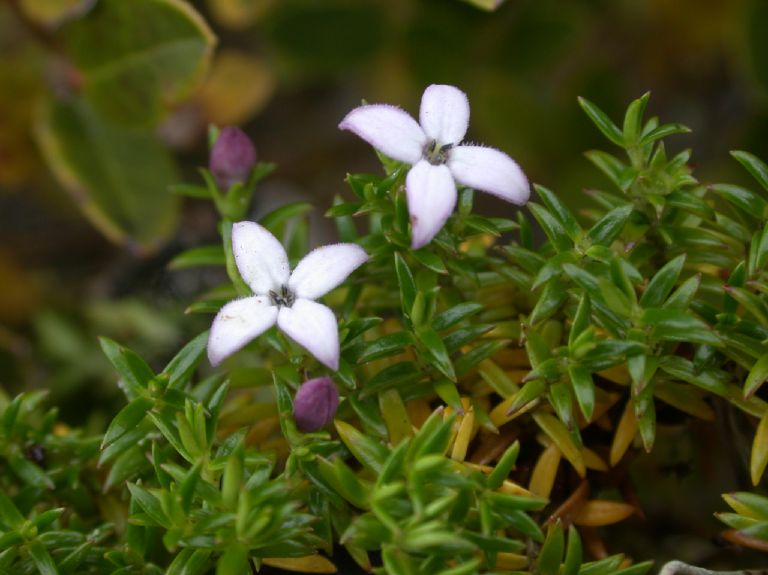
x=491, y=171
x=431, y=198
x=444, y=113
x=324, y=268
x=388, y=129
x=237, y=323
x=313, y=326
x=260, y=258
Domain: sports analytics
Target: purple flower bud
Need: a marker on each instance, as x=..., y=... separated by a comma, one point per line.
x=232, y=157
x=315, y=404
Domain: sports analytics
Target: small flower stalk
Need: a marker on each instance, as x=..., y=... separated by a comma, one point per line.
x=283, y=297
x=232, y=158
x=433, y=146
x=315, y=404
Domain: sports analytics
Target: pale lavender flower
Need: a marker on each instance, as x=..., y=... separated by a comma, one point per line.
x=283, y=297
x=439, y=160
x=315, y=404
x=232, y=157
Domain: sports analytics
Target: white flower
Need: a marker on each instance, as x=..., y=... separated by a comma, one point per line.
x=283, y=297
x=439, y=160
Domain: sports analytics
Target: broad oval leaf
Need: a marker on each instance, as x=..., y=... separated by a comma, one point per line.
x=140, y=57
x=119, y=178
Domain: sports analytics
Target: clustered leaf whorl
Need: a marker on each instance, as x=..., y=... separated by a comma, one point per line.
x=469, y=401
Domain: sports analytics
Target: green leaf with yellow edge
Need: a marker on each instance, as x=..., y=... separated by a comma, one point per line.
x=406, y=282
x=54, y=13
x=759, y=455
x=134, y=371
x=367, y=451
x=746, y=200
x=119, y=178
x=624, y=434
x=199, y=257
x=234, y=561
x=150, y=504
x=185, y=361
x=610, y=226
x=531, y=391
x=127, y=419
x=395, y=416
x=488, y=6
x=602, y=121
x=754, y=165
x=471, y=566
x=736, y=521
x=42, y=559
x=306, y=564
x=645, y=413
x=663, y=131
x=504, y=466
x=430, y=260
x=573, y=553
x=560, y=211
x=662, y=283
x=560, y=435
x=189, y=562
x=561, y=400
x=551, y=553
x=748, y=504
x=455, y=314
x=633, y=119
x=583, y=389
x=497, y=378
x=339, y=476
x=685, y=398
x=551, y=298
x=678, y=325
x=9, y=513
x=757, y=376
x=139, y=58
x=436, y=351
x=682, y=296
x=275, y=220
x=552, y=227
x=449, y=393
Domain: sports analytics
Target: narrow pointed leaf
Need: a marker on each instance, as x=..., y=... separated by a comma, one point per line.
x=610, y=226
x=662, y=283
x=757, y=376
x=755, y=166
x=602, y=121
x=759, y=455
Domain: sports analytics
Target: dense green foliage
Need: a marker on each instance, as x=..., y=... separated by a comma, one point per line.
x=456, y=358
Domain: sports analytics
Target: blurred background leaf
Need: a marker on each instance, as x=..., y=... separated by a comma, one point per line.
x=119, y=178
x=52, y=13
x=139, y=58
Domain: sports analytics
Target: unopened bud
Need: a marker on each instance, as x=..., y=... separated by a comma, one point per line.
x=315, y=404
x=232, y=157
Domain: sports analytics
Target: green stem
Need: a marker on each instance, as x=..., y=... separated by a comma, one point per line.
x=234, y=275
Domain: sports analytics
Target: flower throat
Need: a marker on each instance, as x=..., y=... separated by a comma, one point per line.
x=436, y=154
x=283, y=298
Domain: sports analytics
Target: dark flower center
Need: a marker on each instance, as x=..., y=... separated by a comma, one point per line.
x=282, y=298
x=436, y=154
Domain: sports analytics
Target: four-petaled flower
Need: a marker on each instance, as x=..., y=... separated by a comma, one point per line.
x=438, y=158
x=283, y=297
